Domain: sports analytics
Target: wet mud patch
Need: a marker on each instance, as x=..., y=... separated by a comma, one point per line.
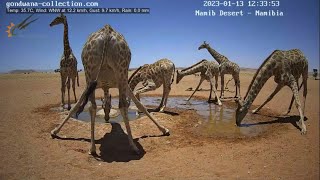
x=210, y=120
x=193, y=122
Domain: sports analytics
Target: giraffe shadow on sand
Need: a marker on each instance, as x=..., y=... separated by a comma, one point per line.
x=279, y=120
x=114, y=145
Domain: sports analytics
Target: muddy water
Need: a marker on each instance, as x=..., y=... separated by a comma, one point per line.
x=116, y=118
x=217, y=120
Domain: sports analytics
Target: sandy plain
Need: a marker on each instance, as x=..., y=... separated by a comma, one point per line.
x=28, y=152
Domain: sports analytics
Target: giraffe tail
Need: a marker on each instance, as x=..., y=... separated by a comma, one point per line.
x=90, y=88
x=174, y=71
x=93, y=84
x=78, y=78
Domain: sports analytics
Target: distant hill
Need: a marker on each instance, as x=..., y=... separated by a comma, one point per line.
x=22, y=71
x=28, y=71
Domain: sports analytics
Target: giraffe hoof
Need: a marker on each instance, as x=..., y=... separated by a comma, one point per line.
x=166, y=132
x=53, y=134
x=303, y=132
x=161, y=110
x=254, y=111
x=93, y=152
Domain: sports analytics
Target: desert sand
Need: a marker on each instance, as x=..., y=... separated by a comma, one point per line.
x=28, y=152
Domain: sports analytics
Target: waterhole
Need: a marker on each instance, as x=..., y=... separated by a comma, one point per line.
x=216, y=120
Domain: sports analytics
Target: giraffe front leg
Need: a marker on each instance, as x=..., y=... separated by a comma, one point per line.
x=209, y=100
x=222, y=86
x=239, y=97
x=140, y=106
x=63, y=90
x=200, y=82
x=278, y=88
x=216, y=81
x=68, y=87
x=237, y=83
x=93, y=111
x=292, y=99
x=168, y=89
x=294, y=88
x=215, y=92
x=123, y=106
x=149, y=86
x=160, y=107
x=74, y=89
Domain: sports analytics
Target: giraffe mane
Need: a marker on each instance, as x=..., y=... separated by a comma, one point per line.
x=194, y=65
x=257, y=72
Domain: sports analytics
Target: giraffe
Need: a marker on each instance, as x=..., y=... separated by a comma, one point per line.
x=207, y=70
x=106, y=57
x=68, y=62
x=225, y=67
x=152, y=77
x=286, y=67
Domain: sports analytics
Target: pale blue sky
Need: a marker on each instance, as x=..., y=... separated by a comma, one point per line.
x=171, y=31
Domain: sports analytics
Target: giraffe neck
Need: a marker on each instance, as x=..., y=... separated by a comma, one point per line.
x=135, y=81
x=66, y=45
x=260, y=79
x=193, y=69
x=218, y=57
x=135, y=78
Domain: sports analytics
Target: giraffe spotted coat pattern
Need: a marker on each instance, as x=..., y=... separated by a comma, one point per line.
x=208, y=70
x=226, y=67
x=68, y=63
x=106, y=57
x=152, y=77
x=286, y=67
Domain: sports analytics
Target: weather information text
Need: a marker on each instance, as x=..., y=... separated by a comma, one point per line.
x=68, y=7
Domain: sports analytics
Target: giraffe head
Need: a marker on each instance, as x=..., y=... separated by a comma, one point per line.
x=204, y=45
x=106, y=105
x=240, y=112
x=58, y=20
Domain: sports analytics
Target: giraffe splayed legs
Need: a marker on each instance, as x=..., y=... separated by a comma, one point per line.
x=207, y=70
x=152, y=77
x=287, y=67
x=106, y=57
